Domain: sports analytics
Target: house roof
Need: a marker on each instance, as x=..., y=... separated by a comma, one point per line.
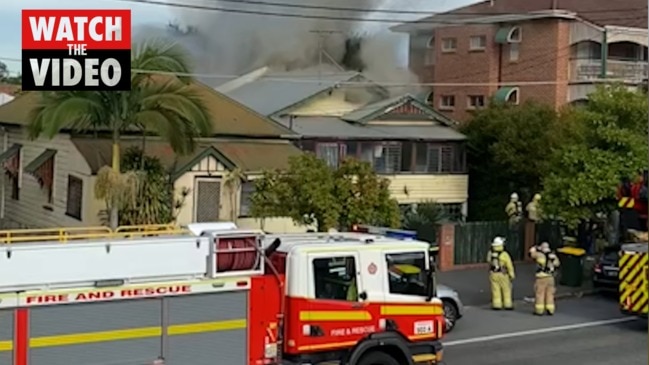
x=335, y=128
x=625, y=13
x=228, y=116
x=370, y=111
x=271, y=92
x=249, y=156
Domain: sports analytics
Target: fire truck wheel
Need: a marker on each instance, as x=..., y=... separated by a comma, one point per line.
x=377, y=358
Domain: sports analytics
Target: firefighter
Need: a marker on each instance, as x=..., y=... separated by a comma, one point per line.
x=501, y=274
x=534, y=209
x=514, y=209
x=544, y=287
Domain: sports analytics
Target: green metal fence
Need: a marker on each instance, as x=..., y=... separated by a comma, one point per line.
x=473, y=240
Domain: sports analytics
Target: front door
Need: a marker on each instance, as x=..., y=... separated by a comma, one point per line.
x=336, y=315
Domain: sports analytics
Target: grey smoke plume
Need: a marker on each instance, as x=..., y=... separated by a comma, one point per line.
x=233, y=44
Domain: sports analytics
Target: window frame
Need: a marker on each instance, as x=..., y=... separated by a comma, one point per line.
x=514, y=52
x=444, y=45
x=445, y=106
x=247, y=188
x=68, y=211
x=473, y=106
x=479, y=48
x=313, y=277
x=387, y=283
x=341, y=152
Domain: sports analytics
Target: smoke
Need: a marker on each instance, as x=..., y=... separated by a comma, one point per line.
x=232, y=44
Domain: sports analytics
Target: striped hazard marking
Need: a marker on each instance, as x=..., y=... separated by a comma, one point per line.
x=633, y=282
x=626, y=202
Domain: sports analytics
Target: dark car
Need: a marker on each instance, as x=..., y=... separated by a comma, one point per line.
x=606, y=269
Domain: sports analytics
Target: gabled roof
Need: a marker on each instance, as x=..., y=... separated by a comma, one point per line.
x=625, y=13
x=248, y=155
x=229, y=118
x=374, y=110
x=271, y=92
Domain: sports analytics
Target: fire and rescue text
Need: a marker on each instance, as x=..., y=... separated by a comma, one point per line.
x=76, y=49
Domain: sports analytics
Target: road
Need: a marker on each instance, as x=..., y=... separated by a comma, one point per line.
x=588, y=330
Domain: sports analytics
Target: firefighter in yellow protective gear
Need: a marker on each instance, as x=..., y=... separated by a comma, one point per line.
x=501, y=274
x=544, y=287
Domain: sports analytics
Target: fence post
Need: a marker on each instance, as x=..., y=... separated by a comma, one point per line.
x=530, y=239
x=446, y=247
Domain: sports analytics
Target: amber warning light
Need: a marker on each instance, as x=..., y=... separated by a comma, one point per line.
x=76, y=49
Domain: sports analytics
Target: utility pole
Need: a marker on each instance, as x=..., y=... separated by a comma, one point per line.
x=322, y=34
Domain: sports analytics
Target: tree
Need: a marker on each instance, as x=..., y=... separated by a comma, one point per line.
x=508, y=151
x=310, y=192
x=608, y=141
x=4, y=71
x=166, y=105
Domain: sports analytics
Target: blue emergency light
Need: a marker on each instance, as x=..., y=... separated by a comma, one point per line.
x=387, y=232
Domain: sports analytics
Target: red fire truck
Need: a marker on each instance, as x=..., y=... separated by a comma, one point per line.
x=214, y=294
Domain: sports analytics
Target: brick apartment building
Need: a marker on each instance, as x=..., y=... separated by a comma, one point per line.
x=517, y=50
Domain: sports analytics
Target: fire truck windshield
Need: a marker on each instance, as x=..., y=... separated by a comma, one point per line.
x=408, y=274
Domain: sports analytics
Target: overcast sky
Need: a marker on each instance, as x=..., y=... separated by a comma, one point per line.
x=142, y=14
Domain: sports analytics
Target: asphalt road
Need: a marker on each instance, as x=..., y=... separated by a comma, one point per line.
x=588, y=330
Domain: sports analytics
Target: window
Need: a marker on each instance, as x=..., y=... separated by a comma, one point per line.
x=74, y=197
x=247, y=189
x=453, y=212
x=477, y=43
x=407, y=273
x=447, y=102
x=513, y=52
x=515, y=35
x=335, y=278
x=15, y=187
x=513, y=97
x=449, y=45
x=429, y=58
x=332, y=153
x=475, y=101
x=435, y=159
x=387, y=158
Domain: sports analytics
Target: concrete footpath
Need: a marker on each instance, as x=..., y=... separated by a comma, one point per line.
x=474, y=288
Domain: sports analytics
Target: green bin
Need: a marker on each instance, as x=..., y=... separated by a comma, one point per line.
x=572, y=266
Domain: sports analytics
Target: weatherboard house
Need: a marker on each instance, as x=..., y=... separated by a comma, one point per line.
x=337, y=113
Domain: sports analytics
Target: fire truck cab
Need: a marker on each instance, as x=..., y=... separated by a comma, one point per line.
x=216, y=294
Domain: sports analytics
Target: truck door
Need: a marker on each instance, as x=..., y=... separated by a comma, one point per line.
x=335, y=312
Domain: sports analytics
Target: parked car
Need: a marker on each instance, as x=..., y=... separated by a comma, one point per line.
x=453, y=307
x=606, y=269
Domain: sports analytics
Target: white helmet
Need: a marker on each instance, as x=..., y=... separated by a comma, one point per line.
x=514, y=196
x=498, y=241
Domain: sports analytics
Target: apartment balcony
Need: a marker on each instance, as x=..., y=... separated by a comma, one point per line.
x=585, y=70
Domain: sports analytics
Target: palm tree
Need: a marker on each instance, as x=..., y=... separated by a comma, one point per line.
x=158, y=102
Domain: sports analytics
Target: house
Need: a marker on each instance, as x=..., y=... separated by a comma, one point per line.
x=50, y=182
x=339, y=113
x=554, y=52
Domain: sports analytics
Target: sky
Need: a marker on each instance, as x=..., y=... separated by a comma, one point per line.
x=142, y=14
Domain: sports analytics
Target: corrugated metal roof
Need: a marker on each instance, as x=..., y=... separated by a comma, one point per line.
x=626, y=13
x=270, y=94
x=228, y=116
x=332, y=127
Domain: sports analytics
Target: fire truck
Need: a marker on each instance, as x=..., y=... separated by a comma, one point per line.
x=215, y=294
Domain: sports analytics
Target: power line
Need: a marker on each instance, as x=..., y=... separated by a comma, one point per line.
x=387, y=11
x=309, y=16
x=303, y=80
